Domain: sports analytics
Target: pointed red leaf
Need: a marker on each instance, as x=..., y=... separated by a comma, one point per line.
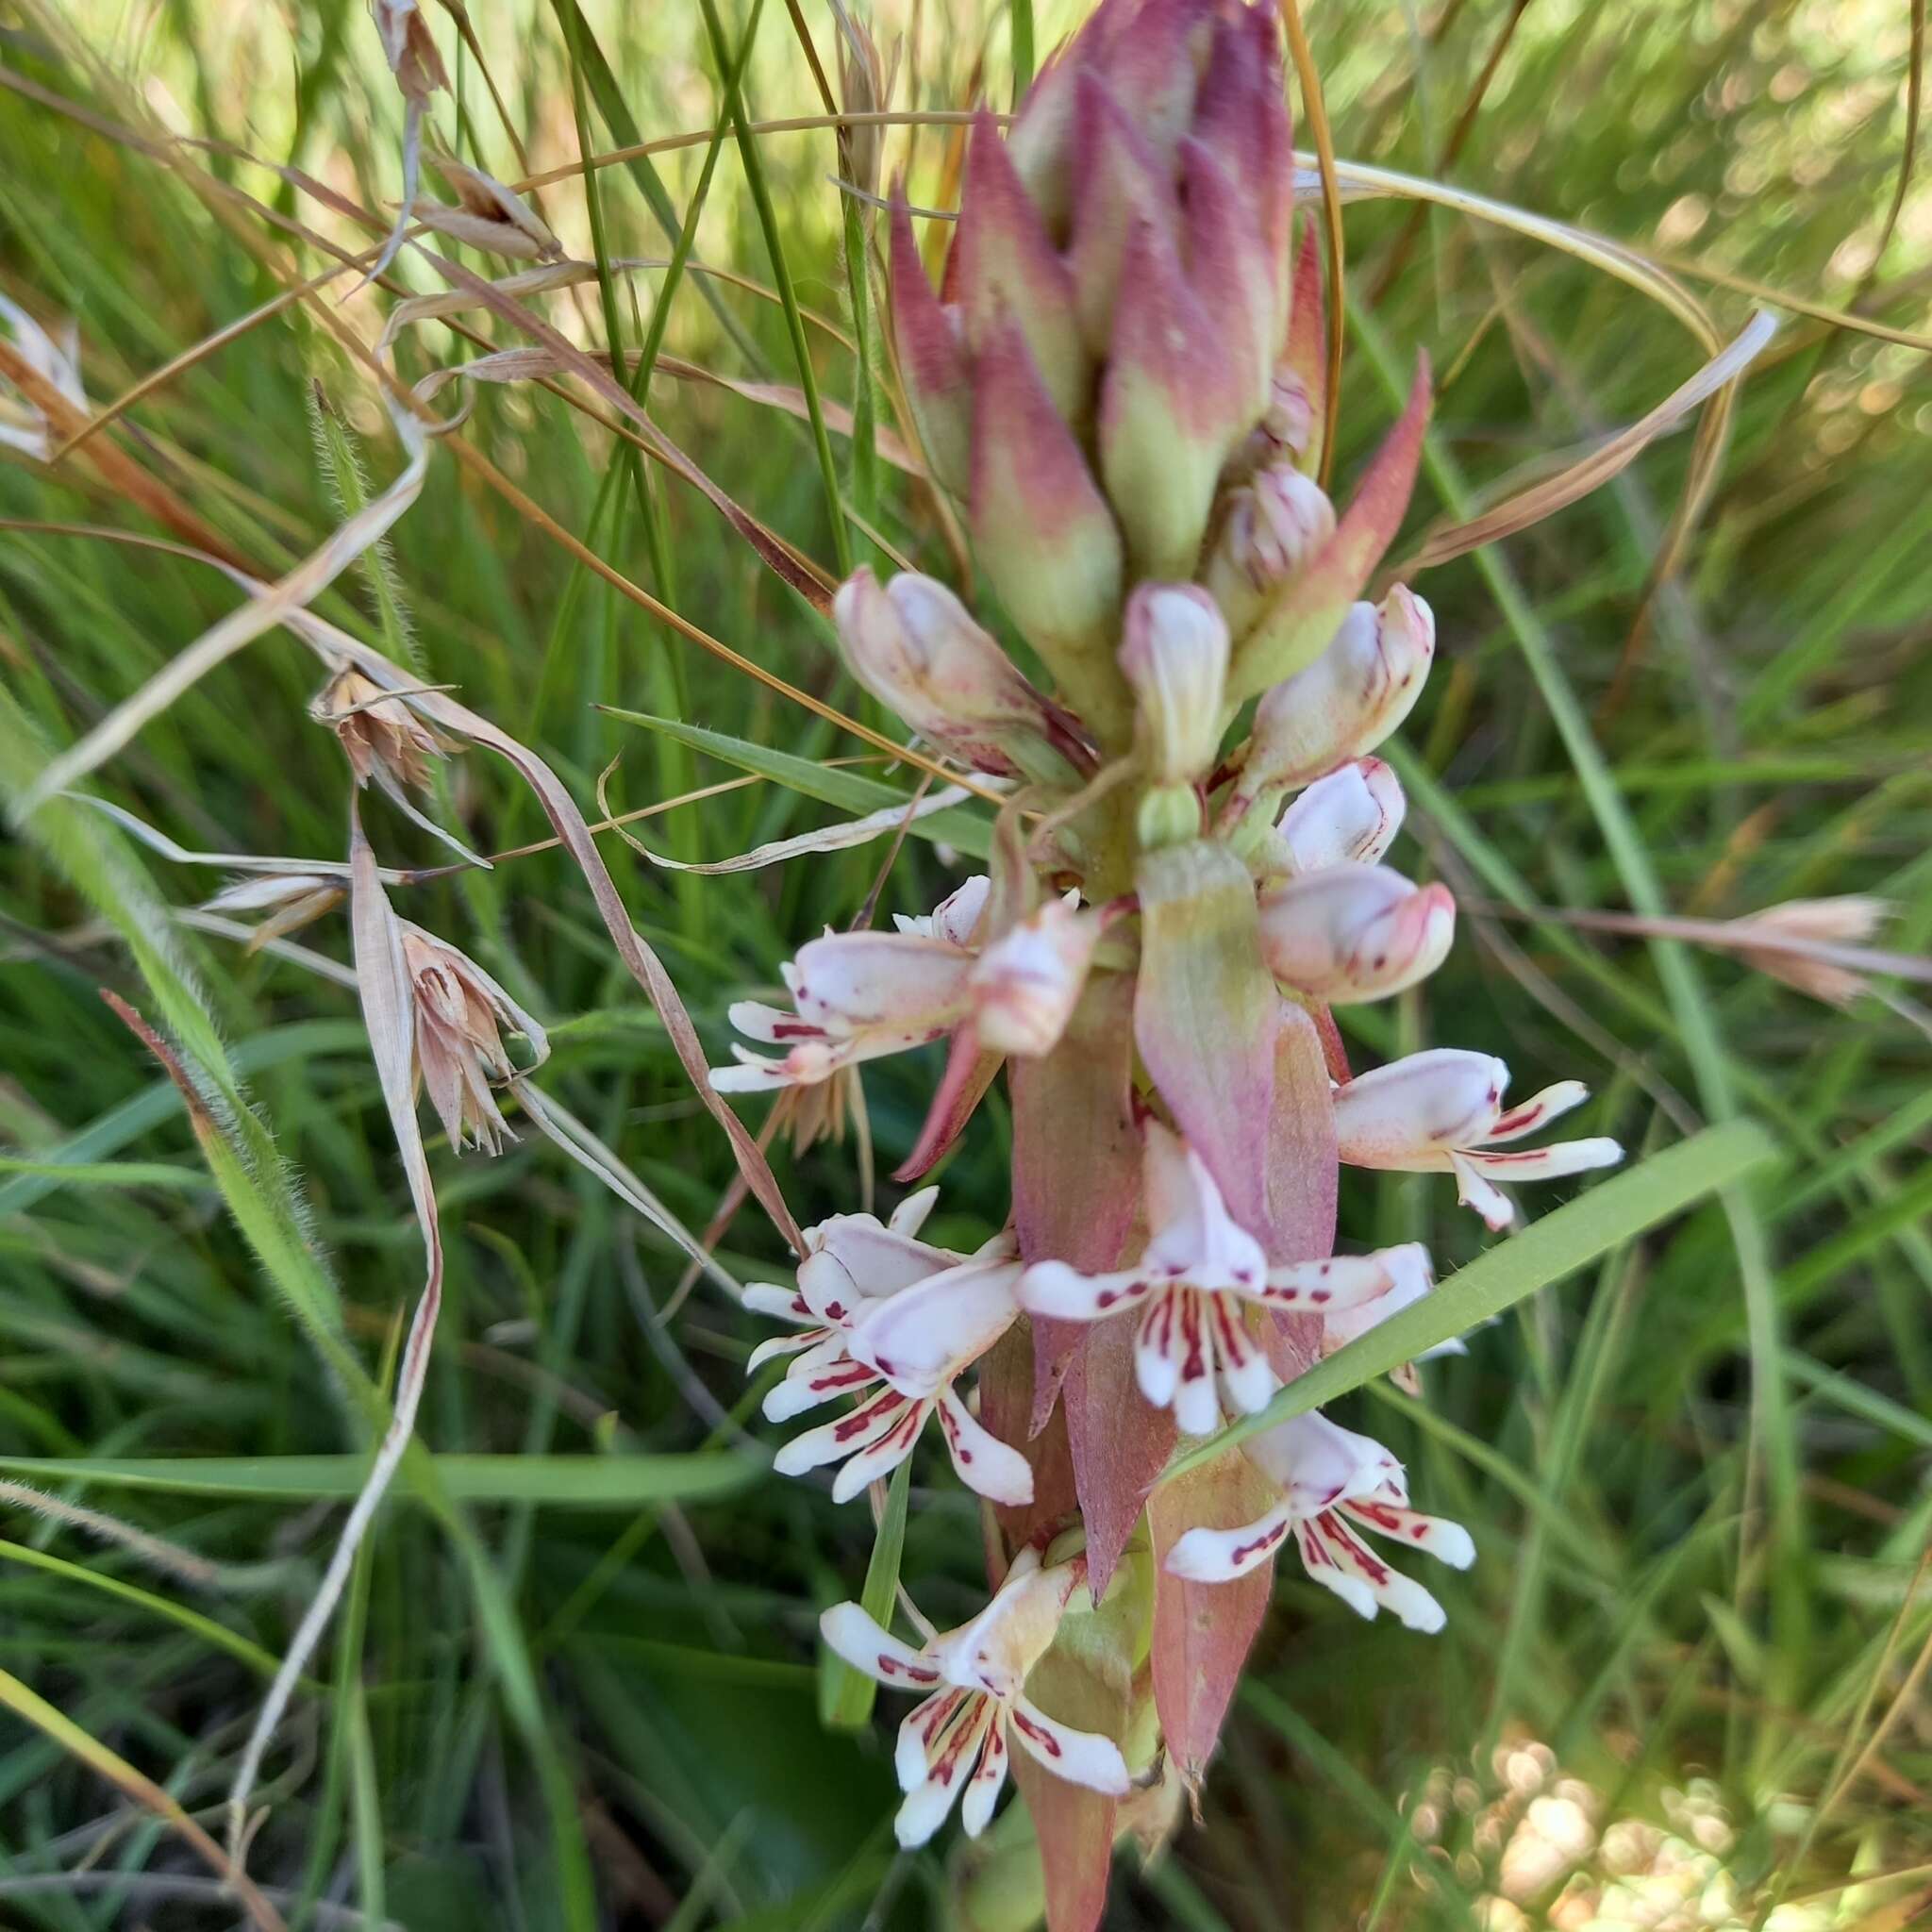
x=1304, y=1169
x=1308, y=610
x=963, y=1086
x=1120, y=1445
x=1076, y=1165
x=1204, y=1631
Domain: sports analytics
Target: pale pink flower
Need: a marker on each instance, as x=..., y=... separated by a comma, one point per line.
x=1349, y=818
x=859, y=995
x=892, y=1322
x=1174, y=656
x=1334, y=1484
x=1442, y=1112
x=1350, y=933
x=1194, y=1276
x=961, y=1738
x=917, y=649
x=1028, y=982
x=1357, y=692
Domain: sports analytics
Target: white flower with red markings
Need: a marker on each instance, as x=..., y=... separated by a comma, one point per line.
x=859, y=995
x=893, y=1321
x=1334, y=1484
x=962, y=1737
x=1353, y=933
x=1442, y=1112
x=1195, y=1353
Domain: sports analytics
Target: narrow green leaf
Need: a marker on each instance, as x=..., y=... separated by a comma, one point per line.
x=958, y=826
x=589, y=1482
x=852, y=1691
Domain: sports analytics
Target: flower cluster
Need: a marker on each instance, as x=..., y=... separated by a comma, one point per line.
x=1119, y=379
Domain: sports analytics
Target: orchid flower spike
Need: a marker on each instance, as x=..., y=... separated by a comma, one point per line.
x=859, y=995
x=892, y=1321
x=1196, y=1271
x=459, y=1053
x=1028, y=981
x=1350, y=933
x=1442, y=1112
x=1333, y=1485
x=962, y=1735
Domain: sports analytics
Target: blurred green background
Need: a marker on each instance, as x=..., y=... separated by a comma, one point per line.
x=1666, y=1687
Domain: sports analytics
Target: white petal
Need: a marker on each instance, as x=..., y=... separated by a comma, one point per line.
x=921, y=1732
x=1053, y=1288
x=1081, y=1758
x=1219, y=1555
x=865, y=1259
x=817, y=1377
x=1323, y=1568
x=1496, y=1208
x=1341, y=1281
x=909, y=1216
x=983, y=1789
x=773, y=1026
x=1350, y=817
x=1447, y=1541
x=881, y=1454
x=1403, y=1595
x=852, y=981
x=768, y=1298
x=850, y=1633
x=1538, y=1110
x=987, y=1466
x=920, y=1339
x=923, y=1813
x=753, y=1075
x=831, y=1441
x=1547, y=1163
x=1157, y=1347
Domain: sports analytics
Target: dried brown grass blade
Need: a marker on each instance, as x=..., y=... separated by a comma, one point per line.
x=1591, y=471
x=388, y=1011
x=262, y=612
x=835, y=838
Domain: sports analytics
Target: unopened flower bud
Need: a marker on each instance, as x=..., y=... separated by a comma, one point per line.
x=1355, y=932
x=1028, y=981
x=1347, y=700
x=382, y=738
x=1349, y=818
x=460, y=1014
x=1271, y=527
x=916, y=648
x=1176, y=657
